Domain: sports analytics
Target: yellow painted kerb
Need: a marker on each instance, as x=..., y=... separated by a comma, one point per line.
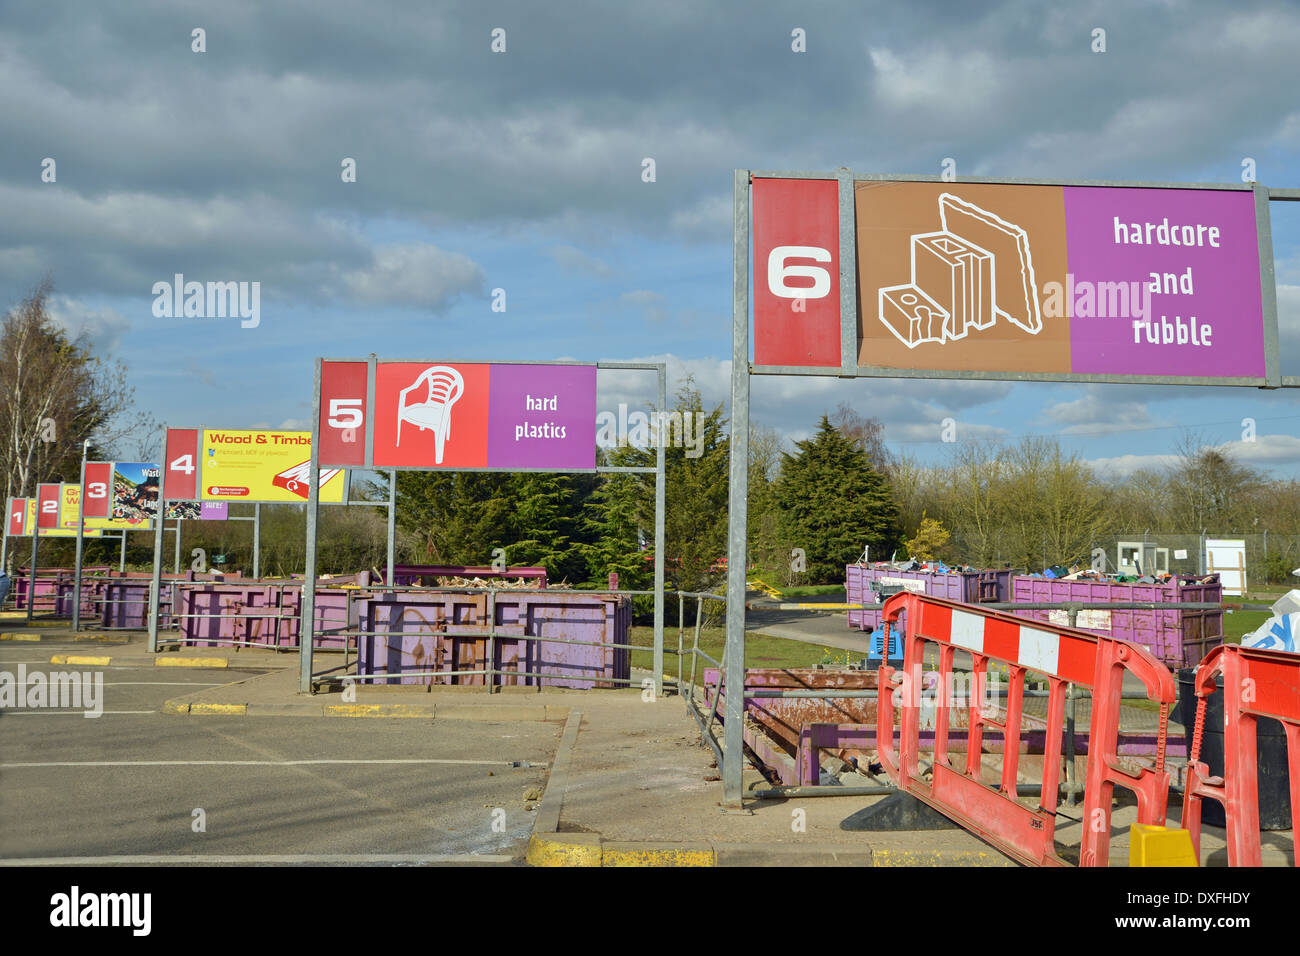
x=191, y=662
x=20, y=637
x=80, y=659
x=564, y=849
x=379, y=710
x=650, y=854
x=236, y=710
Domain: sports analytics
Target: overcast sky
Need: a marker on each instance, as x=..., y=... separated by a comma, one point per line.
x=522, y=171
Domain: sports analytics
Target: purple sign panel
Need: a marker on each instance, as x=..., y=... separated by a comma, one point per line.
x=215, y=511
x=1081, y=280
x=1192, y=257
x=542, y=416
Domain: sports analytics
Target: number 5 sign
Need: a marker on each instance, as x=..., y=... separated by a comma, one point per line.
x=343, y=410
x=180, y=471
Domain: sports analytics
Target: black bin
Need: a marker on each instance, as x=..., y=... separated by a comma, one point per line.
x=1274, y=781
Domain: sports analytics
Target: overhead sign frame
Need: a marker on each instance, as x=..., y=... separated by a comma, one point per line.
x=845, y=279
x=349, y=391
x=843, y=258
x=348, y=411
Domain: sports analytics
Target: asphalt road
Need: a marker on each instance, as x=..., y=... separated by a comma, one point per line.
x=270, y=789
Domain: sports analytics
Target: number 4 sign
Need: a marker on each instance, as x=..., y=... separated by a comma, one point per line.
x=180, y=476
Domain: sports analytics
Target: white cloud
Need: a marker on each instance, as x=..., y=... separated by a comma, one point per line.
x=1122, y=466
x=576, y=260
x=1265, y=450
x=649, y=301
x=102, y=329
x=709, y=218
x=416, y=274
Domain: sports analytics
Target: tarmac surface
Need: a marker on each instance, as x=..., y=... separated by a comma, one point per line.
x=627, y=779
x=139, y=785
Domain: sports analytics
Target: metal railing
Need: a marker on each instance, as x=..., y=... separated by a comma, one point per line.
x=1071, y=786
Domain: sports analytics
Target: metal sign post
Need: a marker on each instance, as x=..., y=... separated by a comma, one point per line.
x=81, y=529
x=155, y=585
x=392, y=522
x=31, y=571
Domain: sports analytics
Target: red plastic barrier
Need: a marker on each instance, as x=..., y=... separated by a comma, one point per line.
x=1061, y=655
x=1256, y=683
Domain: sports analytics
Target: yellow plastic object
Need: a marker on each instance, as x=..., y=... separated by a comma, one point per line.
x=1151, y=845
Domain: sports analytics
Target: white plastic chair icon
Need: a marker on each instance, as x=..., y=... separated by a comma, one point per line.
x=444, y=386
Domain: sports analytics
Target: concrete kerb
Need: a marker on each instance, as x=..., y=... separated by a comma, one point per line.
x=549, y=847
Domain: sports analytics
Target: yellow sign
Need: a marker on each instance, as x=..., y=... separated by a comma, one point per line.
x=263, y=466
x=70, y=510
x=62, y=531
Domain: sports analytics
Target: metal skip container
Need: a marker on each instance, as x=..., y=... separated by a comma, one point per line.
x=410, y=634
x=861, y=582
x=1177, y=637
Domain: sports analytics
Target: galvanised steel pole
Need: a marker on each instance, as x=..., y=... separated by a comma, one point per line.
x=733, y=658
x=307, y=624
x=31, y=571
x=121, y=558
x=257, y=542
x=81, y=531
x=160, y=518
x=4, y=542
x=392, y=523
x=660, y=491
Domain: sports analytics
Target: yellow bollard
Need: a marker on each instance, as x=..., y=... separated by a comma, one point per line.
x=1151, y=845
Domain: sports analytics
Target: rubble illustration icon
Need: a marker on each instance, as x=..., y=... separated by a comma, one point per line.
x=975, y=270
x=444, y=385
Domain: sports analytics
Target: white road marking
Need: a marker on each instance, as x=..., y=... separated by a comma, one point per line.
x=304, y=858
x=65, y=713
x=532, y=765
x=161, y=683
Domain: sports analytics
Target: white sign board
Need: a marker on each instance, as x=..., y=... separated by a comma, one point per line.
x=1227, y=559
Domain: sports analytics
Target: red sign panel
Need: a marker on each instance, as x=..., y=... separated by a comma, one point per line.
x=17, y=516
x=181, y=465
x=431, y=415
x=796, y=272
x=47, y=506
x=343, y=413
x=97, y=490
